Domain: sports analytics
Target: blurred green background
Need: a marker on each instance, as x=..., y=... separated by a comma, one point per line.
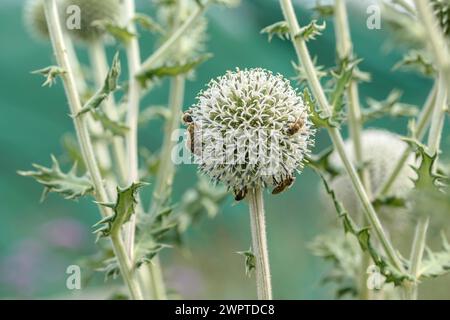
x=39, y=240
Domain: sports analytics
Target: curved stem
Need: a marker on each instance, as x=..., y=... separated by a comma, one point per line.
x=60, y=51
x=305, y=59
x=259, y=243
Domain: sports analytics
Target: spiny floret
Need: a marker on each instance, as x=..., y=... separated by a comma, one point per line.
x=92, y=12
x=251, y=129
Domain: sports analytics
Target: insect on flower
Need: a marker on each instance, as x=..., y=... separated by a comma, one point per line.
x=283, y=185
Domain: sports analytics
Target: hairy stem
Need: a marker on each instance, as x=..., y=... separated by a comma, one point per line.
x=172, y=40
x=80, y=123
x=259, y=243
x=305, y=58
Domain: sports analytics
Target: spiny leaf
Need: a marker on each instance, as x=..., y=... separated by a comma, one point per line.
x=123, y=209
x=302, y=78
x=427, y=177
x=323, y=10
x=311, y=31
x=171, y=70
x=50, y=73
x=279, y=29
x=115, y=127
x=344, y=252
x=341, y=78
x=391, y=106
x=436, y=263
x=146, y=256
x=318, y=118
x=110, y=85
x=250, y=261
x=391, y=273
x=110, y=268
x=120, y=33
x=148, y=23
x=67, y=184
x=415, y=60
x=320, y=162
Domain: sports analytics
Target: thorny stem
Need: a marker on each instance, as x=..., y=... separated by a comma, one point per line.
x=259, y=243
x=417, y=251
x=168, y=44
x=345, y=50
x=305, y=58
x=420, y=130
x=436, y=39
x=60, y=51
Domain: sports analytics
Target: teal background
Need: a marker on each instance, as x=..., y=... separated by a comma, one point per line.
x=33, y=258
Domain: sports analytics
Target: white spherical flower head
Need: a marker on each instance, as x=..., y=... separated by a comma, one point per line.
x=381, y=150
x=250, y=128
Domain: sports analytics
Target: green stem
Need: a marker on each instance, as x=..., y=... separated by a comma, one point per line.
x=259, y=243
x=305, y=59
x=80, y=123
x=126, y=267
x=164, y=178
x=420, y=130
x=417, y=251
x=438, y=118
x=172, y=40
x=100, y=66
x=134, y=97
x=157, y=279
x=345, y=51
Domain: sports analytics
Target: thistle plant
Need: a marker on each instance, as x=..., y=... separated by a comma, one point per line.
x=108, y=139
x=250, y=130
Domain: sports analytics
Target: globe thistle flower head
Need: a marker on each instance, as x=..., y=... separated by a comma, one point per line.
x=92, y=12
x=250, y=128
x=381, y=150
x=34, y=19
x=441, y=10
